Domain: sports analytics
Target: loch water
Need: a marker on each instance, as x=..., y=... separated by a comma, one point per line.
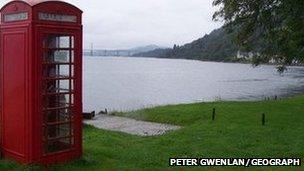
x=126, y=83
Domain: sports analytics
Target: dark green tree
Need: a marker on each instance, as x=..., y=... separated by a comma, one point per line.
x=277, y=24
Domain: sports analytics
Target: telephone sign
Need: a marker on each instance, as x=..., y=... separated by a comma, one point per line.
x=57, y=17
x=16, y=17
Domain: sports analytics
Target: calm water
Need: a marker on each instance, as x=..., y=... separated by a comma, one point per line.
x=121, y=83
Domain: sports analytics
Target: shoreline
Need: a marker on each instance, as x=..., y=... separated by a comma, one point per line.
x=229, y=62
x=265, y=99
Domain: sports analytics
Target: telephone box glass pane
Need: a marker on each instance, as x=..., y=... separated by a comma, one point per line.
x=64, y=42
x=57, y=42
x=58, y=97
x=59, y=145
x=57, y=116
x=72, y=56
x=56, y=71
x=72, y=42
x=72, y=71
x=60, y=100
x=57, y=86
x=61, y=131
x=72, y=99
x=57, y=56
x=61, y=56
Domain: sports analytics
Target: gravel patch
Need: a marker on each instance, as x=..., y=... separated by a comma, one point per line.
x=130, y=126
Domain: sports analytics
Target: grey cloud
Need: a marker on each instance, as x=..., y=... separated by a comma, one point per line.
x=128, y=23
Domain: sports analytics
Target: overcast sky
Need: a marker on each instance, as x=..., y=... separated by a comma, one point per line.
x=119, y=24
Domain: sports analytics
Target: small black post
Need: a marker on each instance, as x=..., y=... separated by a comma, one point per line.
x=106, y=111
x=213, y=114
x=263, y=119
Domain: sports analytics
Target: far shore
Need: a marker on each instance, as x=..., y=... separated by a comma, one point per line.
x=232, y=62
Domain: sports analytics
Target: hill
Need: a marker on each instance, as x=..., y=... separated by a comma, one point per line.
x=217, y=46
x=120, y=52
x=145, y=48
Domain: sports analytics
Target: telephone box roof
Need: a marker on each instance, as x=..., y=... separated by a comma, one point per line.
x=36, y=2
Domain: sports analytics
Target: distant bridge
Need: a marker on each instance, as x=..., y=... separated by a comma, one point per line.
x=109, y=52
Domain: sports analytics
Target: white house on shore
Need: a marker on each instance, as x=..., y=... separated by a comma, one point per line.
x=245, y=55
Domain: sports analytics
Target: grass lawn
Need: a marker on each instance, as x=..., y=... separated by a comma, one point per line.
x=236, y=132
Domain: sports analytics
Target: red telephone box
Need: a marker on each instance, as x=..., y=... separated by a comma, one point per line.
x=41, y=81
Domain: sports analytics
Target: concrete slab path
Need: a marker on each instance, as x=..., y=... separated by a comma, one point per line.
x=130, y=126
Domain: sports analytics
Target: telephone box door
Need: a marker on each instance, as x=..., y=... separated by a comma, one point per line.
x=58, y=93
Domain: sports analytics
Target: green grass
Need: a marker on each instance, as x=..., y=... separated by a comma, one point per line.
x=236, y=132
